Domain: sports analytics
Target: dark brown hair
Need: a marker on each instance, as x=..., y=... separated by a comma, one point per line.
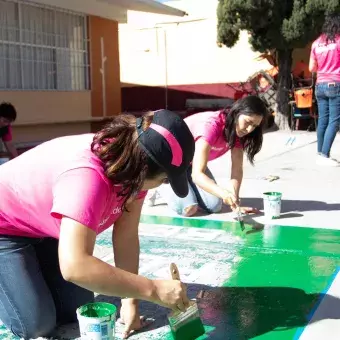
x=331, y=28
x=8, y=111
x=124, y=162
x=252, y=143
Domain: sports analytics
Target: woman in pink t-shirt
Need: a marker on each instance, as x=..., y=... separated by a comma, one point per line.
x=238, y=131
x=55, y=200
x=325, y=60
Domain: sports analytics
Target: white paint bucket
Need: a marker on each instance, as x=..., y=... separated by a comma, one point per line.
x=272, y=204
x=97, y=321
x=3, y=160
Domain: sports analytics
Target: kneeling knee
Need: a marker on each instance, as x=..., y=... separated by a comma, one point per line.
x=190, y=211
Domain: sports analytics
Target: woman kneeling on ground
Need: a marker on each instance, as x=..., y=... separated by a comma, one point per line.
x=55, y=200
x=238, y=130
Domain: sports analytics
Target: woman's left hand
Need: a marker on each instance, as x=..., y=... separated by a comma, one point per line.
x=249, y=210
x=129, y=316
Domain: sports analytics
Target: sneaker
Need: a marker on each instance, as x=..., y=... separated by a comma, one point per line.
x=326, y=161
x=151, y=197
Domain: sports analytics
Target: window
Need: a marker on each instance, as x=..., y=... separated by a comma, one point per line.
x=42, y=48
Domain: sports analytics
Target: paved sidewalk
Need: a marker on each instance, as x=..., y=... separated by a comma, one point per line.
x=311, y=193
x=252, y=273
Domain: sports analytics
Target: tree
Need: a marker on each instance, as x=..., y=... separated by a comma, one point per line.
x=280, y=25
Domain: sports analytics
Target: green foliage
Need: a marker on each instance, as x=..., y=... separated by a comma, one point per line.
x=272, y=24
x=280, y=25
x=322, y=7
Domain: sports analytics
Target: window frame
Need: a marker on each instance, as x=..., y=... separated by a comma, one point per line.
x=74, y=75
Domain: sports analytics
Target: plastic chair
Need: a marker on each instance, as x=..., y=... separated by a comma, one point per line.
x=302, y=107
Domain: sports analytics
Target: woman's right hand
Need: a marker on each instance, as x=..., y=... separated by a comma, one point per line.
x=230, y=199
x=171, y=294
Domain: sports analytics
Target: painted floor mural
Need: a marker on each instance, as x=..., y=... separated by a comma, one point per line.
x=266, y=282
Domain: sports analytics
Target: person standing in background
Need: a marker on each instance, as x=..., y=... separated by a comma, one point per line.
x=325, y=61
x=8, y=115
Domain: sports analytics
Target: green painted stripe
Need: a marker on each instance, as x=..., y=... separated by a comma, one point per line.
x=185, y=222
x=303, y=240
x=277, y=279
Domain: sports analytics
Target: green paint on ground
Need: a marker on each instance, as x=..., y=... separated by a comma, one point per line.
x=314, y=241
x=278, y=278
x=261, y=283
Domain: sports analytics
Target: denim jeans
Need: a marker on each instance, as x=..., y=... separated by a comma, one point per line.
x=328, y=98
x=34, y=297
x=196, y=196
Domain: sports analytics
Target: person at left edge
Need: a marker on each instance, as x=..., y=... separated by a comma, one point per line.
x=8, y=115
x=55, y=200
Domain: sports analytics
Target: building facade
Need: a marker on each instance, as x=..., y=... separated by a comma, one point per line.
x=59, y=63
x=175, y=59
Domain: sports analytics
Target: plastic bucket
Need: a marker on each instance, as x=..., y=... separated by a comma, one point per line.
x=272, y=204
x=97, y=321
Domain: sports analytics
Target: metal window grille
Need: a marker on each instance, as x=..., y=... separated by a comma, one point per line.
x=42, y=48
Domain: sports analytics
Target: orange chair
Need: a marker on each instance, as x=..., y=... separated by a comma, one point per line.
x=303, y=99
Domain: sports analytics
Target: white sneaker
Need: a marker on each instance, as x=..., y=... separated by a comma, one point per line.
x=151, y=197
x=324, y=161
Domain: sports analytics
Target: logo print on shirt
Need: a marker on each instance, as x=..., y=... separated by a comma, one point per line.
x=115, y=211
x=217, y=149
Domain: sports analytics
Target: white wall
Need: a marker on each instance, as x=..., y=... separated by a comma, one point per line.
x=188, y=48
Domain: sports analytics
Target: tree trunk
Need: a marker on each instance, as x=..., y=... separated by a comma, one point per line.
x=285, y=62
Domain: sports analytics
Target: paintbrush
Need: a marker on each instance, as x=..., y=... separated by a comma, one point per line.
x=238, y=213
x=240, y=217
x=185, y=325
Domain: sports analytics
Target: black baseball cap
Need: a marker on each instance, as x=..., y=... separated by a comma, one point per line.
x=170, y=144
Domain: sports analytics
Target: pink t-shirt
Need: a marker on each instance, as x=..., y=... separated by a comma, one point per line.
x=210, y=126
x=58, y=178
x=8, y=136
x=327, y=57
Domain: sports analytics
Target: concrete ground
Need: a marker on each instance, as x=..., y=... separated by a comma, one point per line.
x=310, y=192
x=268, y=278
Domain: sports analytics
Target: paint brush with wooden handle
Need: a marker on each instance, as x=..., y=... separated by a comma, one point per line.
x=240, y=217
x=185, y=325
x=238, y=212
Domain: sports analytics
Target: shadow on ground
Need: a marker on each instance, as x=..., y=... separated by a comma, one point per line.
x=289, y=206
x=246, y=312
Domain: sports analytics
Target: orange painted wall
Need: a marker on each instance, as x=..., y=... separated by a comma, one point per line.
x=108, y=30
x=49, y=107
x=43, y=132
x=43, y=115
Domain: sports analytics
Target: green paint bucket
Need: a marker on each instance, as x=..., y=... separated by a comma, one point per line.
x=272, y=204
x=97, y=321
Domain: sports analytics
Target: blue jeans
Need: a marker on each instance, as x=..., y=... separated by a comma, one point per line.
x=196, y=196
x=328, y=97
x=34, y=297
